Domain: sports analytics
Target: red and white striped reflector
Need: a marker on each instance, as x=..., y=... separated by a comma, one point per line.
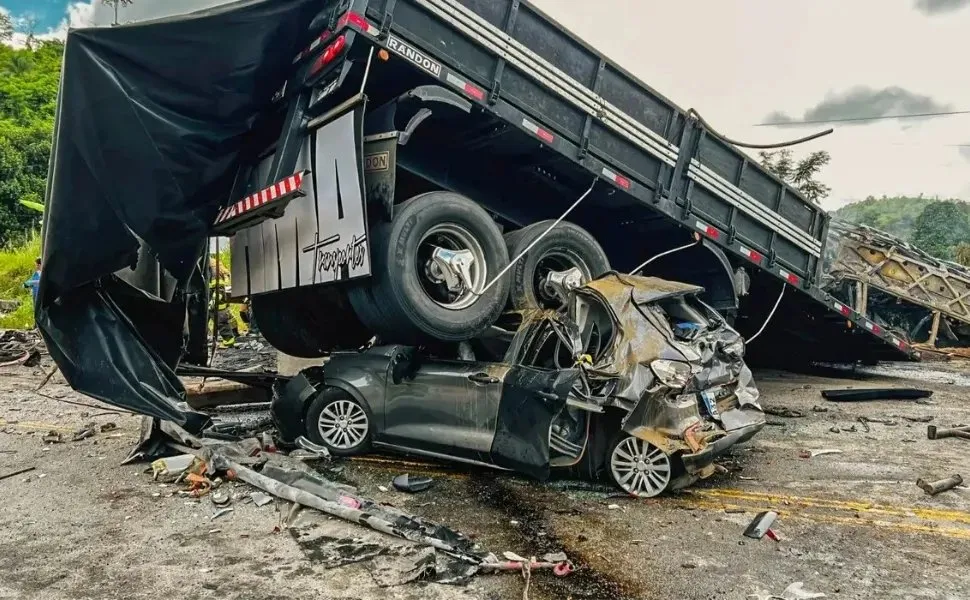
x=358, y=21
x=900, y=344
x=842, y=308
x=472, y=90
x=789, y=277
x=539, y=132
x=616, y=178
x=708, y=230
x=280, y=189
x=753, y=255
x=873, y=327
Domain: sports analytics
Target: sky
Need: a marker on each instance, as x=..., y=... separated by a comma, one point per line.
x=744, y=62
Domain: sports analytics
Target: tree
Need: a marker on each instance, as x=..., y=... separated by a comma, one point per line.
x=962, y=254
x=801, y=175
x=6, y=27
x=940, y=228
x=28, y=94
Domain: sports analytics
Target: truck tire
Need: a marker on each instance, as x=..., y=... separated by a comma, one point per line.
x=565, y=247
x=308, y=322
x=413, y=303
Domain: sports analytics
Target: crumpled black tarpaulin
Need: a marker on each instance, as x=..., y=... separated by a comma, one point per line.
x=149, y=126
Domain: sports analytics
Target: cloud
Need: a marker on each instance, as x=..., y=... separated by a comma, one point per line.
x=938, y=7
x=78, y=14
x=861, y=103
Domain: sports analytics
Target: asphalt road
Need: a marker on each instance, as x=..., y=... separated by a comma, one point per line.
x=852, y=524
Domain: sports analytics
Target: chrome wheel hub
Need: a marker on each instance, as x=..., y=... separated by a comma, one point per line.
x=343, y=424
x=640, y=468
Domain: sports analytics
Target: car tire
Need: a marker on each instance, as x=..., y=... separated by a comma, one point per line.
x=638, y=467
x=413, y=308
x=335, y=420
x=568, y=245
x=308, y=322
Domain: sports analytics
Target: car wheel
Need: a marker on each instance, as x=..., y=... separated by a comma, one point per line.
x=417, y=299
x=638, y=467
x=339, y=422
x=567, y=246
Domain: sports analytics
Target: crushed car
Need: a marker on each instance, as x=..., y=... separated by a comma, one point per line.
x=633, y=378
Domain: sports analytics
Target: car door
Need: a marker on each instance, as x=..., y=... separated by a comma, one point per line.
x=444, y=407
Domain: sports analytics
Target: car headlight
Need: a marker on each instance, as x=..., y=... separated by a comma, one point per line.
x=672, y=373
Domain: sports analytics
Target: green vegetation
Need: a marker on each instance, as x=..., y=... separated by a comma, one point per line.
x=801, y=175
x=28, y=96
x=16, y=266
x=940, y=227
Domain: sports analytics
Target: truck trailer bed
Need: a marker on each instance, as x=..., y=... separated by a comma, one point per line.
x=520, y=66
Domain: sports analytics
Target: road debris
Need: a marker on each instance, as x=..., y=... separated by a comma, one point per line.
x=221, y=513
x=53, y=437
x=795, y=591
x=437, y=553
x=783, y=411
x=15, y=473
x=109, y=426
x=169, y=469
x=220, y=498
x=84, y=433
x=933, y=433
x=935, y=487
x=410, y=484
x=814, y=453
x=871, y=394
x=761, y=525
x=261, y=499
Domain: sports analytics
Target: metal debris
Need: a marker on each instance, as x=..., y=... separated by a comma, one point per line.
x=865, y=395
x=814, y=453
x=261, y=499
x=935, y=487
x=760, y=525
x=221, y=513
x=410, y=484
x=934, y=433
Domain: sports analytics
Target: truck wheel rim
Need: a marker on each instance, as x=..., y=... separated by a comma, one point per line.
x=555, y=261
x=343, y=424
x=451, y=237
x=640, y=468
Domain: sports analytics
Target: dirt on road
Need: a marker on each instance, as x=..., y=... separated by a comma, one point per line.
x=851, y=524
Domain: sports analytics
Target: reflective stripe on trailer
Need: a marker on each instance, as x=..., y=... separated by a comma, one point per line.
x=842, y=308
x=873, y=327
x=616, y=178
x=472, y=90
x=789, y=277
x=539, y=132
x=708, y=230
x=753, y=255
x=280, y=189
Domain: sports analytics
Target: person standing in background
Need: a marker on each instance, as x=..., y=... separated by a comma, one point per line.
x=33, y=284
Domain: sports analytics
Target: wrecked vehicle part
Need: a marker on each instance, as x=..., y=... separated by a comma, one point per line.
x=588, y=387
x=181, y=144
x=872, y=394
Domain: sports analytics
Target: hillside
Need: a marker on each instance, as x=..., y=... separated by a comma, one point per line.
x=895, y=215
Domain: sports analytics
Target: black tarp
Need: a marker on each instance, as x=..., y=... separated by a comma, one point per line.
x=150, y=122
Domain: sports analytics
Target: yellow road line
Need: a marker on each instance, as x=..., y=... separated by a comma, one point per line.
x=35, y=426
x=950, y=532
x=847, y=505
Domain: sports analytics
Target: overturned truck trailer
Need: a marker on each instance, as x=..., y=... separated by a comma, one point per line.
x=898, y=286
x=378, y=165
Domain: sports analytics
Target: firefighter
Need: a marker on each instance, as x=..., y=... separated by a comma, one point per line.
x=219, y=305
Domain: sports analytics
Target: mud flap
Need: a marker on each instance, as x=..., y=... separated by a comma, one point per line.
x=531, y=400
